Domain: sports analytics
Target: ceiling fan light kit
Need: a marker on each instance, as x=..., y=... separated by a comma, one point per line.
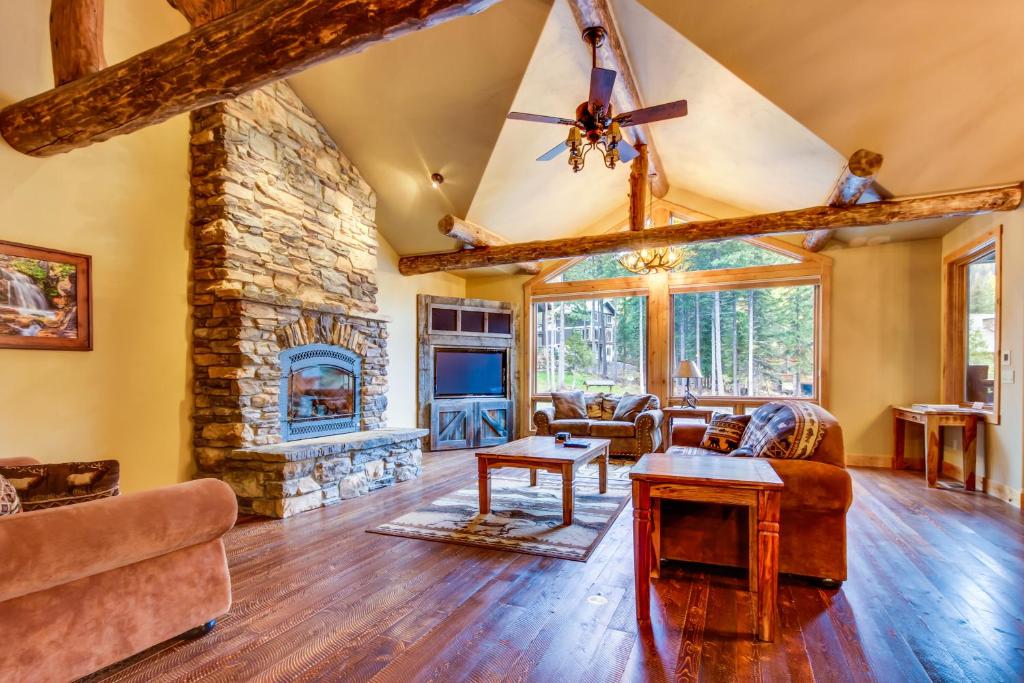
x=596, y=127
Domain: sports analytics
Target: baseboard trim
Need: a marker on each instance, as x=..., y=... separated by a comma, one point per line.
x=995, y=489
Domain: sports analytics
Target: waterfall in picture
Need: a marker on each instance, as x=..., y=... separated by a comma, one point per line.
x=23, y=294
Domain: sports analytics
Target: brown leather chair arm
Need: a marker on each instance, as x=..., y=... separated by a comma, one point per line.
x=814, y=485
x=687, y=433
x=18, y=461
x=542, y=419
x=48, y=548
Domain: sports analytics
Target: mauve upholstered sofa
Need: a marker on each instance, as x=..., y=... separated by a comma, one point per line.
x=817, y=494
x=87, y=585
x=633, y=438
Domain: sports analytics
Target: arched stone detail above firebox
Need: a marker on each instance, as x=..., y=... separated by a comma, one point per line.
x=322, y=329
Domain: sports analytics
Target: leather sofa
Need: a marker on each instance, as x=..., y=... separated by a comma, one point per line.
x=84, y=586
x=642, y=435
x=817, y=494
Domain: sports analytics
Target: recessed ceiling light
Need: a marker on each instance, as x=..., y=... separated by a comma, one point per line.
x=436, y=179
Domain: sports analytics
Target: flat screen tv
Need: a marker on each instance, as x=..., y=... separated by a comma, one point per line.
x=469, y=372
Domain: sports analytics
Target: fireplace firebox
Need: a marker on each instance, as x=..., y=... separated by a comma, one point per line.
x=320, y=391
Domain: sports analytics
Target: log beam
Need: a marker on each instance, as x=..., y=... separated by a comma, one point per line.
x=857, y=178
x=475, y=236
x=965, y=203
x=76, y=39
x=626, y=96
x=252, y=47
x=201, y=12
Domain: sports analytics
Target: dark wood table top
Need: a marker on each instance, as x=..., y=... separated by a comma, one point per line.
x=707, y=470
x=545, y=448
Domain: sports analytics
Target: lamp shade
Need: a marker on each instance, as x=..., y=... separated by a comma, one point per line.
x=687, y=369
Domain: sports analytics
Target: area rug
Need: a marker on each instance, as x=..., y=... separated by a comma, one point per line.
x=523, y=519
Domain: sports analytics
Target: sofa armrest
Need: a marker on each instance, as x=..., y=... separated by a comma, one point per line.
x=687, y=434
x=649, y=419
x=542, y=419
x=811, y=485
x=48, y=548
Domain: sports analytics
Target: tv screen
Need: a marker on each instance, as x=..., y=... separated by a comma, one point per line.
x=469, y=372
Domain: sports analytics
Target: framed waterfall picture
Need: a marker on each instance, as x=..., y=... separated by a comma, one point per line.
x=44, y=299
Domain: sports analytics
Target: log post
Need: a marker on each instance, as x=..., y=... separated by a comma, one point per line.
x=856, y=179
x=201, y=12
x=76, y=39
x=474, y=236
x=965, y=203
x=638, y=179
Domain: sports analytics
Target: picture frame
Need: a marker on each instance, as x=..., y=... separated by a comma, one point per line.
x=45, y=298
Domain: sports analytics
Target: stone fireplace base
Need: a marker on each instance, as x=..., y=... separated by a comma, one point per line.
x=284, y=479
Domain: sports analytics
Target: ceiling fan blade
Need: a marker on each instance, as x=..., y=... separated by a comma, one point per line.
x=553, y=152
x=540, y=118
x=601, y=82
x=627, y=152
x=670, y=110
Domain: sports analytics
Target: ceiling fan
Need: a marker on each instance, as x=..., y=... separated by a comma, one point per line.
x=595, y=125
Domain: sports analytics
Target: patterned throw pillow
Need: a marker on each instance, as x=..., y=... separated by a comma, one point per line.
x=724, y=433
x=9, y=503
x=48, y=486
x=630, y=406
x=784, y=429
x=569, y=405
x=595, y=403
x=609, y=402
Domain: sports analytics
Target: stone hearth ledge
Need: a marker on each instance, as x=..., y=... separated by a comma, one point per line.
x=284, y=479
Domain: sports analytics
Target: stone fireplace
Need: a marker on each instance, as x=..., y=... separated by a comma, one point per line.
x=289, y=350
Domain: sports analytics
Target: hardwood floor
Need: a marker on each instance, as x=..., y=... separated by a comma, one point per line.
x=935, y=587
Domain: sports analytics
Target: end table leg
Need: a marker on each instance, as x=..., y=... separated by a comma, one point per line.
x=602, y=473
x=642, y=549
x=568, y=494
x=899, y=435
x=484, y=477
x=970, y=453
x=932, y=447
x=533, y=476
x=767, y=562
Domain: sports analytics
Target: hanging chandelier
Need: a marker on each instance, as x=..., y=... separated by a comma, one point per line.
x=646, y=261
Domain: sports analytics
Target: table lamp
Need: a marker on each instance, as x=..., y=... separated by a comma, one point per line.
x=688, y=369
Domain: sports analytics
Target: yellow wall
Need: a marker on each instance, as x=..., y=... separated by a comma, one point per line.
x=396, y=299
x=885, y=345
x=1003, y=444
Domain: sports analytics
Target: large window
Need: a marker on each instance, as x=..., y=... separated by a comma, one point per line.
x=747, y=342
x=591, y=344
x=971, y=306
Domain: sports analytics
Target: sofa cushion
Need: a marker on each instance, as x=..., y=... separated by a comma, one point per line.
x=574, y=427
x=725, y=432
x=569, y=405
x=54, y=485
x=611, y=428
x=609, y=402
x=595, y=404
x=9, y=503
x=785, y=430
x=631, y=405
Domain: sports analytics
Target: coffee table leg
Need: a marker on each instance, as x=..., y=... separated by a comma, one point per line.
x=533, y=476
x=484, y=476
x=642, y=550
x=602, y=473
x=767, y=562
x=568, y=494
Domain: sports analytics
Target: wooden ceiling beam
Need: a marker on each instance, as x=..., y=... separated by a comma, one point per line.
x=475, y=236
x=626, y=95
x=857, y=178
x=964, y=203
x=76, y=39
x=259, y=44
x=201, y=12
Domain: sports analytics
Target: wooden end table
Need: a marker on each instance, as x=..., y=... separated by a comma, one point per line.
x=749, y=482
x=933, y=422
x=670, y=413
x=542, y=453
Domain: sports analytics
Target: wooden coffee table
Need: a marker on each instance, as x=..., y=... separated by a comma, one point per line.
x=542, y=453
x=750, y=482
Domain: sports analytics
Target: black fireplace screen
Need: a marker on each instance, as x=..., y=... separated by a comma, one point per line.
x=320, y=391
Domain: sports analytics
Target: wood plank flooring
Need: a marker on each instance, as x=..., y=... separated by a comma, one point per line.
x=936, y=579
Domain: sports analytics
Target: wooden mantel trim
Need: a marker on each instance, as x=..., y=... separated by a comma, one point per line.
x=626, y=95
x=474, y=236
x=965, y=203
x=252, y=47
x=76, y=39
x=856, y=179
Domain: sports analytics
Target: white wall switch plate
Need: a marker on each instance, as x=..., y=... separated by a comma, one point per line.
x=1006, y=357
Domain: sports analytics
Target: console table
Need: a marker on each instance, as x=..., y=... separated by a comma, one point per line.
x=748, y=482
x=933, y=422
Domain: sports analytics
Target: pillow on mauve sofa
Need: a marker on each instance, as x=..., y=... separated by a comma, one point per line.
x=630, y=406
x=724, y=433
x=595, y=403
x=9, y=502
x=569, y=405
x=66, y=483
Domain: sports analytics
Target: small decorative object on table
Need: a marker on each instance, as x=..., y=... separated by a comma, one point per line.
x=562, y=437
x=688, y=369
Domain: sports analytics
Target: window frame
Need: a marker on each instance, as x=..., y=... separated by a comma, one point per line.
x=810, y=268
x=954, y=319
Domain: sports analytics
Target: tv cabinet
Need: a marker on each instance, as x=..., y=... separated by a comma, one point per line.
x=465, y=420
